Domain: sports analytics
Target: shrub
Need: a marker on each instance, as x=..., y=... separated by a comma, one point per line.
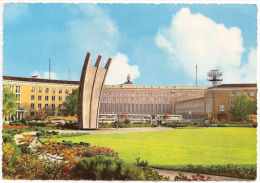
x=25, y=149
x=127, y=121
x=7, y=138
x=102, y=168
x=149, y=173
x=198, y=177
x=226, y=170
x=37, y=123
x=154, y=125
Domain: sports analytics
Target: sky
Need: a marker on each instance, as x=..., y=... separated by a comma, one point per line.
x=157, y=44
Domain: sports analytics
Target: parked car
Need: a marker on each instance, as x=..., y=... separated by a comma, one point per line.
x=60, y=121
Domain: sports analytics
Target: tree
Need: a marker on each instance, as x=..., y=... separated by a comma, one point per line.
x=70, y=106
x=9, y=102
x=166, y=116
x=244, y=105
x=208, y=115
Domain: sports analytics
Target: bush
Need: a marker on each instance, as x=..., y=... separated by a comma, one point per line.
x=154, y=125
x=102, y=168
x=25, y=149
x=149, y=173
x=7, y=138
x=228, y=170
x=127, y=121
x=37, y=123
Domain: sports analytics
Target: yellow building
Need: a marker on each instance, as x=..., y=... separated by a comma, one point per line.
x=34, y=95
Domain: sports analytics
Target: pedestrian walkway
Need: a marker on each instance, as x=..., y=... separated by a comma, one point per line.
x=170, y=173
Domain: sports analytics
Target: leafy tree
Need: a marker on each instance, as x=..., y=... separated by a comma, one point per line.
x=70, y=106
x=9, y=102
x=166, y=116
x=208, y=115
x=244, y=105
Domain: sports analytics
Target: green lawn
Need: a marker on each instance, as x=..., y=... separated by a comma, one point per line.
x=179, y=147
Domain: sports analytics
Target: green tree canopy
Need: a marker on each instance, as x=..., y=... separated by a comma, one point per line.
x=70, y=106
x=244, y=105
x=9, y=102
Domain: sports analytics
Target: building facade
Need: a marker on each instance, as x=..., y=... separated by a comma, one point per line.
x=34, y=94
x=219, y=99
x=191, y=110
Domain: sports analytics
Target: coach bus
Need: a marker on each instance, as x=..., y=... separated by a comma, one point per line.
x=107, y=118
x=172, y=118
x=139, y=118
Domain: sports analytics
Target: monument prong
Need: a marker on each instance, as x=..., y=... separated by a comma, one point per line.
x=98, y=61
x=90, y=90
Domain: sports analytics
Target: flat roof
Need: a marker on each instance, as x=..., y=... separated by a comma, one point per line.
x=40, y=80
x=121, y=86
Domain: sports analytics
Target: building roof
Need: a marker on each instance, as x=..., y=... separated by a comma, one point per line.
x=122, y=86
x=40, y=80
x=239, y=85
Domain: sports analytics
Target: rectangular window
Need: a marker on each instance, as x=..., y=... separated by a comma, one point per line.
x=32, y=105
x=12, y=88
x=32, y=113
x=238, y=93
x=53, y=98
x=52, y=113
x=221, y=108
x=46, y=98
x=33, y=89
x=39, y=106
x=117, y=108
x=232, y=94
x=32, y=97
x=60, y=98
x=40, y=89
x=18, y=97
x=53, y=106
x=133, y=107
x=252, y=94
x=39, y=97
x=18, y=89
x=245, y=93
x=60, y=106
x=47, y=106
x=46, y=90
x=53, y=90
x=66, y=91
x=60, y=91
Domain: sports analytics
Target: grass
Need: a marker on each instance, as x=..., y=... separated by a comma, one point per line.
x=176, y=148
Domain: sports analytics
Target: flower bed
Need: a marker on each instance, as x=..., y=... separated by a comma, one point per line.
x=18, y=127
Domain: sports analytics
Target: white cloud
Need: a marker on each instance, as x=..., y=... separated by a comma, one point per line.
x=195, y=39
x=119, y=70
x=53, y=75
x=44, y=75
x=14, y=11
x=96, y=32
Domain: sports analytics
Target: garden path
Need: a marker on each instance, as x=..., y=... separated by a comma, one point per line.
x=165, y=172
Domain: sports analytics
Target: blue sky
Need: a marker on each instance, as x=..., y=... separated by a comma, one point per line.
x=158, y=44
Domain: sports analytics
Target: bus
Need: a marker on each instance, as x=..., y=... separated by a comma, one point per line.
x=172, y=118
x=107, y=118
x=139, y=118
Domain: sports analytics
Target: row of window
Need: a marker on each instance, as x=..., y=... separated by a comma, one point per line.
x=53, y=98
x=40, y=106
x=197, y=104
x=134, y=94
x=232, y=94
x=133, y=108
x=14, y=88
x=53, y=90
x=186, y=94
x=52, y=113
x=137, y=98
x=198, y=109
